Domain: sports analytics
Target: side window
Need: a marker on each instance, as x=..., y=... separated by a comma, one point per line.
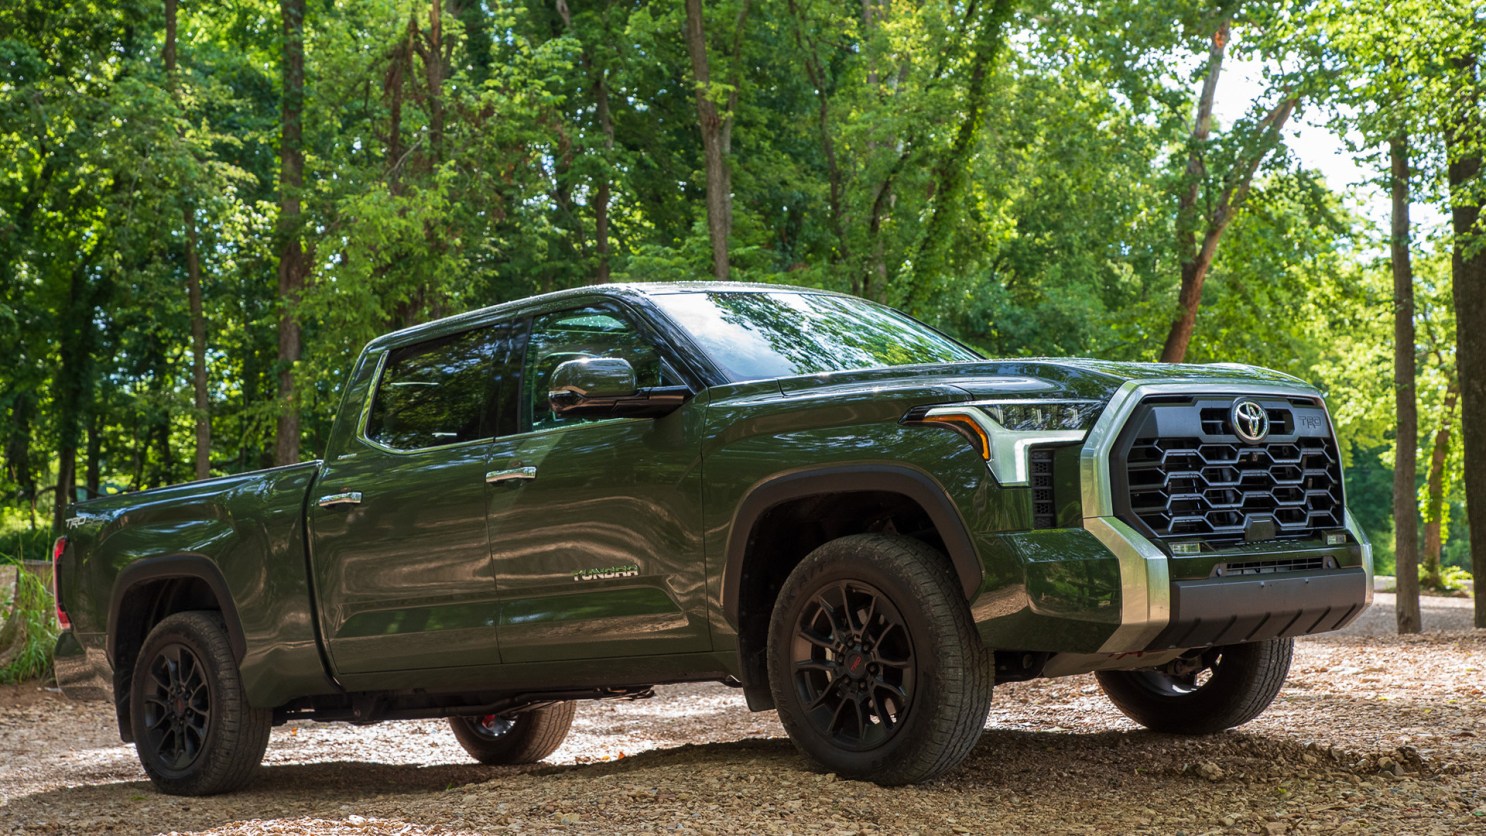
x=439, y=392
x=599, y=331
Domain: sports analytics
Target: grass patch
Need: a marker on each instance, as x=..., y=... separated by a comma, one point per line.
x=29, y=632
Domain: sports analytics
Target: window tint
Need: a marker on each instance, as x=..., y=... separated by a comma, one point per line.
x=600, y=331
x=755, y=335
x=438, y=392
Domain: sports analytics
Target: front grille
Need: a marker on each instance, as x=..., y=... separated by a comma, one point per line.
x=1187, y=476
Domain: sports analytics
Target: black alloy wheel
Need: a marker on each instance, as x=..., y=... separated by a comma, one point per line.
x=177, y=707
x=522, y=736
x=493, y=726
x=194, y=729
x=874, y=662
x=1205, y=691
x=855, y=670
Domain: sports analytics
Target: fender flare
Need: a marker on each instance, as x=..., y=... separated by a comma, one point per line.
x=174, y=567
x=910, y=482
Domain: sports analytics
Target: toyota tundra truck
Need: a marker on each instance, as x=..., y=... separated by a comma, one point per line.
x=858, y=521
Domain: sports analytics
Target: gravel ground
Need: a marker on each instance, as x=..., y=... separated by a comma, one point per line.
x=1371, y=734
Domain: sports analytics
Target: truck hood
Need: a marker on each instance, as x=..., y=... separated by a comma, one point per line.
x=1080, y=379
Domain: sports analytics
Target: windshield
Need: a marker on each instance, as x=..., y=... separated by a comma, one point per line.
x=756, y=335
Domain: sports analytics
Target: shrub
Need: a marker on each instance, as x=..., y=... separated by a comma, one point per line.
x=1453, y=579
x=30, y=629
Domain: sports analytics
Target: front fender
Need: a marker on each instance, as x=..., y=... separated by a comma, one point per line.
x=911, y=482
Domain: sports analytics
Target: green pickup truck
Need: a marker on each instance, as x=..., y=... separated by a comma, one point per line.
x=853, y=518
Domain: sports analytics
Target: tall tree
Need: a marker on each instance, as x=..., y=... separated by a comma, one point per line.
x=1200, y=225
x=293, y=262
x=1465, y=139
x=193, y=274
x=950, y=169
x=1405, y=496
x=717, y=105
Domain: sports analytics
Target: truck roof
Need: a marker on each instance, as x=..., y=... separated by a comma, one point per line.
x=618, y=290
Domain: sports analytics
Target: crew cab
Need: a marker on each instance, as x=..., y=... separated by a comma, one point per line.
x=857, y=520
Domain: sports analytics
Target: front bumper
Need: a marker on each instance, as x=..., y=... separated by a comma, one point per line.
x=1105, y=589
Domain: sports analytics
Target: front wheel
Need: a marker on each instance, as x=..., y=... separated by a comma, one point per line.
x=874, y=661
x=521, y=737
x=1217, y=689
x=194, y=730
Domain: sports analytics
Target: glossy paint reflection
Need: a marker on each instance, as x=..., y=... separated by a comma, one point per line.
x=404, y=577
x=607, y=494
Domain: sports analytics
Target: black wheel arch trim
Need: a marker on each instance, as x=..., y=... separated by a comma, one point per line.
x=910, y=482
x=176, y=567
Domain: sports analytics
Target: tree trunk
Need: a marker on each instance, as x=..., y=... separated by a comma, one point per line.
x=950, y=172
x=193, y=276
x=18, y=444
x=293, y=265
x=1406, y=438
x=717, y=127
x=1197, y=258
x=1468, y=270
x=602, y=192
x=816, y=72
x=72, y=384
x=477, y=41
x=92, y=460
x=433, y=62
x=1434, y=506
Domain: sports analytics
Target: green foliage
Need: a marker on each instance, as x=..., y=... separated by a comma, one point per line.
x=1454, y=580
x=31, y=626
x=1014, y=181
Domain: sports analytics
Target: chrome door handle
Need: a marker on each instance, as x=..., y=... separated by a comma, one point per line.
x=515, y=473
x=347, y=498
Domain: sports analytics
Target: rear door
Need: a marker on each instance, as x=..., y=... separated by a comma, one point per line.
x=400, y=549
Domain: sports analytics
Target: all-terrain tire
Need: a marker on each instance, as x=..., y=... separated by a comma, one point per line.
x=522, y=737
x=194, y=730
x=874, y=662
x=1244, y=680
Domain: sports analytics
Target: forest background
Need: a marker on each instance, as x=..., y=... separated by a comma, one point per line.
x=206, y=208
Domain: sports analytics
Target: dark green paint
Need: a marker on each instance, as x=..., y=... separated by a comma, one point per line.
x=440, y=581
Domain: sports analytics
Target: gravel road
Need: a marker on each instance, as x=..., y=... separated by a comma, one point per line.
x=1373, y=733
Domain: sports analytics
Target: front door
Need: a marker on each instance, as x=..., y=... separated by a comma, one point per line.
x=597, y=541
x=400, y=549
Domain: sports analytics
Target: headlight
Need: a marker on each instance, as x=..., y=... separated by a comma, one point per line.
x=1003, y=431
x=1042, y=416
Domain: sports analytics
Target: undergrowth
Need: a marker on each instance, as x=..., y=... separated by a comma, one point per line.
x=30, y=629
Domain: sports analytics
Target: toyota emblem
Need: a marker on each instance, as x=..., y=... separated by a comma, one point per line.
x=1250, y=421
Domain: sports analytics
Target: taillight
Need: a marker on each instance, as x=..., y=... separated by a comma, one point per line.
x=57, y=548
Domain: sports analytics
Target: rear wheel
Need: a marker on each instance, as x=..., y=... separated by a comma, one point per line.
x=194, y=730
x=1217, y=689
x=874, y=662
x=520, y=737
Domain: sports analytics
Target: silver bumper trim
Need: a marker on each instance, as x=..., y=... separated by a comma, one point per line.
x=1145, y=580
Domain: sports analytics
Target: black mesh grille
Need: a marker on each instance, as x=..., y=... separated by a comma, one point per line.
x=1269, y=567
x=1040, y=476
x=1186, y=476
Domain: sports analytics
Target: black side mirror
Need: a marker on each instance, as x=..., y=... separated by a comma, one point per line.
x=604, y=387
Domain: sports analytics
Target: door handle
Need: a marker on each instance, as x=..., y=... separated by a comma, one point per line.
x=346, y=498
x=514, y=474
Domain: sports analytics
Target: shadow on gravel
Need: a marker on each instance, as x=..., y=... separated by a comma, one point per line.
x=1035, y=767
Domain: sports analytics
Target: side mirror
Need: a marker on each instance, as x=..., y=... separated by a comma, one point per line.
x=604, y=387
